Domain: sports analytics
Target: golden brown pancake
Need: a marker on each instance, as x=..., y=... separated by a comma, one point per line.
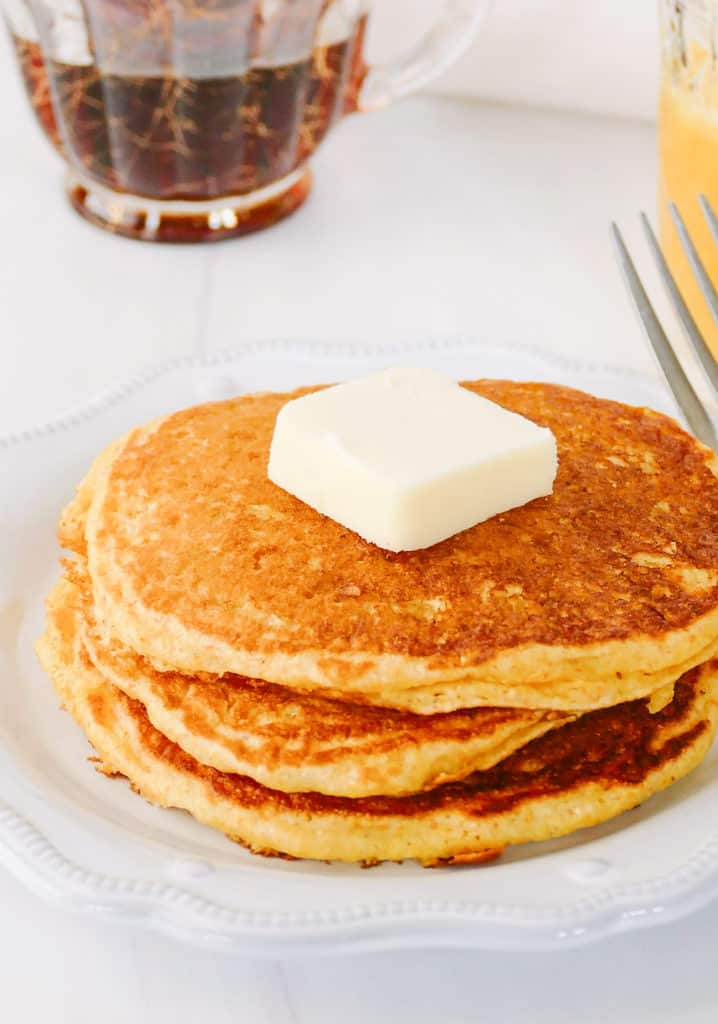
x=295, y=741
x=575, y=776
x=604, y=591
x=73, y=521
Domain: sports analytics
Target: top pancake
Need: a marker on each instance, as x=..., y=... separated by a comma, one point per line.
x=200, y=563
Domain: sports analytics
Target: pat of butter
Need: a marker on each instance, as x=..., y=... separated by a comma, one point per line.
x=407, y=457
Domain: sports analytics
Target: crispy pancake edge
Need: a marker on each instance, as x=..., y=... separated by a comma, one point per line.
x=453, y=823
x=300, y=742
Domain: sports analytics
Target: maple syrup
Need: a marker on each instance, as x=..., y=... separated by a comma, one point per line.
x=166, y=137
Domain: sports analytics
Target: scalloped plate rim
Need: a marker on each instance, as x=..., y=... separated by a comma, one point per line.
x=107, y=397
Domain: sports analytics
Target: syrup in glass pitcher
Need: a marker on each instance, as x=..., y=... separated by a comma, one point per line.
x=192, y=120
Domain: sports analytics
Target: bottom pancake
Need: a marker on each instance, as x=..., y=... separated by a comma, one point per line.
x=579, y=775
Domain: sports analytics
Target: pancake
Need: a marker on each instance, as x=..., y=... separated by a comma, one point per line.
x=71, y=529
x=578, y=775
x=602, y=592
x=297, y=742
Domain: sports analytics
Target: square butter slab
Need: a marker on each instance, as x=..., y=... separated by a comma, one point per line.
x=407, y=457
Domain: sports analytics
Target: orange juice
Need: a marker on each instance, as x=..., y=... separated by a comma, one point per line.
x=688, y=144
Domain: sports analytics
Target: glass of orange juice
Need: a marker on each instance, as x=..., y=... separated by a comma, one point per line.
x=688, y=141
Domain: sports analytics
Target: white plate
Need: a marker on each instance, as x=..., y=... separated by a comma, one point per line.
x=74, y=835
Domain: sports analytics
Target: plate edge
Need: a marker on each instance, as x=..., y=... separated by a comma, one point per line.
x=111, y=396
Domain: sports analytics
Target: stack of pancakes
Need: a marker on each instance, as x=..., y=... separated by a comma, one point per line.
x=234, y=653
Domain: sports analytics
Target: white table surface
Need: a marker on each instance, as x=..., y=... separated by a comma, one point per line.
x=435, y=217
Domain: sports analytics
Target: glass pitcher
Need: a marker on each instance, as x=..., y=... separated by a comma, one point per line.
x=194, y=120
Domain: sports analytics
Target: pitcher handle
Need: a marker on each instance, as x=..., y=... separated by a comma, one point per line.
x=451, y=33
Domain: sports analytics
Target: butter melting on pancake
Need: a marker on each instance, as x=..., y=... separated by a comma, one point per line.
x=605, y=591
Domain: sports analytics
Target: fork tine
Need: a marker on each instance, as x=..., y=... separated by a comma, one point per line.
x=704, y=282
x=710, y=216
x=680, y=387
x=694, y=335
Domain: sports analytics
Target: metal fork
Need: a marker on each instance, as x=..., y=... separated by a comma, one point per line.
x=677, y=380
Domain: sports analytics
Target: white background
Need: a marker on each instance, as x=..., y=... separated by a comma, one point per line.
x=435, y=217
x=593, y=55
